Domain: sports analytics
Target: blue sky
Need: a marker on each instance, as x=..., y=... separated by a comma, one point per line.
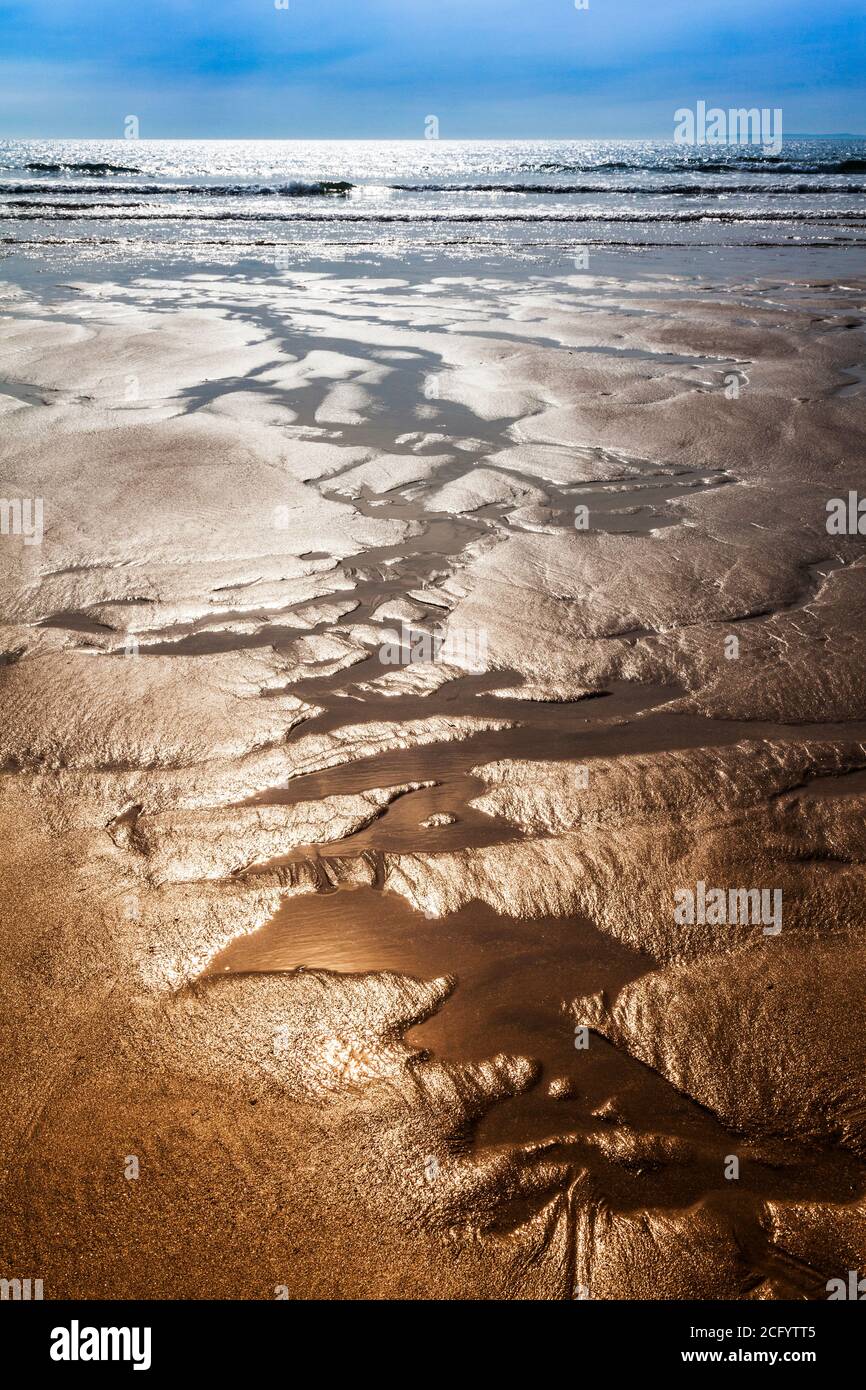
x=376, y=68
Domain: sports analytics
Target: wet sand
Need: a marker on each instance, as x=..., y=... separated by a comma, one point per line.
x=375, y=968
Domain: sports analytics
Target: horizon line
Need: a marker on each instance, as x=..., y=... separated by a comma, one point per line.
x=423, y=140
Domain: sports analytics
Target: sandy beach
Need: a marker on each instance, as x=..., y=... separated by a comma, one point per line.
x=399, y=653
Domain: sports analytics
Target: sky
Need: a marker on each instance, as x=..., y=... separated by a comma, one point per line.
x=488, y=69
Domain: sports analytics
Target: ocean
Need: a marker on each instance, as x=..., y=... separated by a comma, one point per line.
x=273, y=199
